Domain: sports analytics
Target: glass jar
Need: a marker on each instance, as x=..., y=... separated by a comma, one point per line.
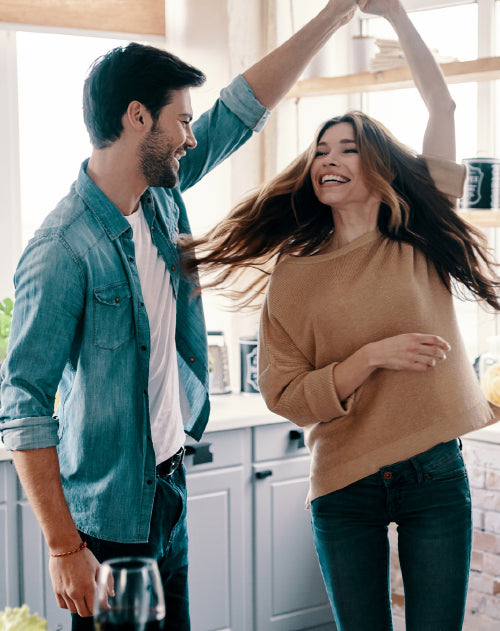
x=489, y=370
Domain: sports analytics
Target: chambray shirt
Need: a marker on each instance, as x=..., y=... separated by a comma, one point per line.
x=80, y=325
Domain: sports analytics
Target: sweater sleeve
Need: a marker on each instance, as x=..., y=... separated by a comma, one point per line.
x=291, y=386
x=448, y=176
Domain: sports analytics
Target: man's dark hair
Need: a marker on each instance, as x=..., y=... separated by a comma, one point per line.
x=131, y=73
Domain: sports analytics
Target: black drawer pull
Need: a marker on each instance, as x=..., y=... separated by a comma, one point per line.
x=296, y=434
x=260, y=475
x=201, y=453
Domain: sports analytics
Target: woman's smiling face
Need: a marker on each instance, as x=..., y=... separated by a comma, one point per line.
x=336, y=172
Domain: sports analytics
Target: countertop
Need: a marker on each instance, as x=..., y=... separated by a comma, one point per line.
x=228, y=411
x=236, y=410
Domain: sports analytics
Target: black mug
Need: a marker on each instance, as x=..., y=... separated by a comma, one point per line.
x=482, y=188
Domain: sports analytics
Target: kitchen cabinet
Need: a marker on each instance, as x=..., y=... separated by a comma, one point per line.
x=219, y=530
x=252, y=560
x=24, y=559
x=253, y=566
x=289, y=589
x=9, y=579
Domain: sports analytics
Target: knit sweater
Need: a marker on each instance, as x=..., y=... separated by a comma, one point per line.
x=320, y=309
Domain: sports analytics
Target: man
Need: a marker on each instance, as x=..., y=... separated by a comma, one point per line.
x=104, y=314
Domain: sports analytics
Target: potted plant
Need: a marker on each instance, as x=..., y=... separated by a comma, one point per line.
x=20, y=619
x=5, y=322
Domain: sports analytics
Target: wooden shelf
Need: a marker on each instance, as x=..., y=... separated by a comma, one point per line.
x=483, y=69
x=481, y=218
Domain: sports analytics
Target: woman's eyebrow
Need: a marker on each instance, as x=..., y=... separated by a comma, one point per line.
x=344, y=141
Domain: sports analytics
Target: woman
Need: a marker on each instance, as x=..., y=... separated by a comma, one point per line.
x=359, y=344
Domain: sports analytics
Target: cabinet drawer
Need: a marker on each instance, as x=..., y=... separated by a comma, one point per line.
x=217, y=449
x=281, y=440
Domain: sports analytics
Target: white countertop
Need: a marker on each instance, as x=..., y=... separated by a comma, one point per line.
x=231, y=411
x=236, y=410
x=228, y=411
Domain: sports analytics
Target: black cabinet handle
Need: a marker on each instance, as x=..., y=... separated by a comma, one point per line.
x=201, y=453
x=296, y=434
x=260, y=475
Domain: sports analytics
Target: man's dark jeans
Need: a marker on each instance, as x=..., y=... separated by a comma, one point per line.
x=168, y=544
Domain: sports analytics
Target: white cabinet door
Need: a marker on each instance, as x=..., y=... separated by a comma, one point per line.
x=24, y=576
x=289, y=590
x=9, y=562
x=219, y=570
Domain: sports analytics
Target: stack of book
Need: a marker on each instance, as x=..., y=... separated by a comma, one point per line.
x=390, y=55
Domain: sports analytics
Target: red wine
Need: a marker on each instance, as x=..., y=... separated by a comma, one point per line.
x=106, y=625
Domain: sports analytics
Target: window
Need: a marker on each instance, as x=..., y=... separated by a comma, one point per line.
x=396, y=107
x=460, y=42
x=403, y=112
x=53, y=138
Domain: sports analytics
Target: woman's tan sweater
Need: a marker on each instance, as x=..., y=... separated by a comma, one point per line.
x=321, y=309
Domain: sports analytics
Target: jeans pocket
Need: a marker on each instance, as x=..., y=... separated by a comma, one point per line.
x=443, y=462
x=113, y=315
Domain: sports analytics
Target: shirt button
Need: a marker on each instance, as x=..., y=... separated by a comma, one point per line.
x=117, y=299
x=142, y=304
x=387, y=475
x=172, y=267
x=149, y=482
x=152, y=228
x=144, y=348
x=131, y=259
x=191, y=359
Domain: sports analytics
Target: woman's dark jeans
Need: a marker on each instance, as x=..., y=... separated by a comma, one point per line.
x=168, y=544
x=428, y=497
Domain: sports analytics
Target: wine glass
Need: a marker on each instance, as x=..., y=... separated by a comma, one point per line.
x=129, y=596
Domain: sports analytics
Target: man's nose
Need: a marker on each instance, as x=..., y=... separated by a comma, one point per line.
x=190, y=139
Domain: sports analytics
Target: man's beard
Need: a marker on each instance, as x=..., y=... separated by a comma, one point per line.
x=156, y=160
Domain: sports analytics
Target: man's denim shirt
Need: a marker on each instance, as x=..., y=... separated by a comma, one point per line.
x=79, y=313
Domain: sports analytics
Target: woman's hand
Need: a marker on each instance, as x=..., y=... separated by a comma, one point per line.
x=409, y=351
x=343, y=10
x=379, y=7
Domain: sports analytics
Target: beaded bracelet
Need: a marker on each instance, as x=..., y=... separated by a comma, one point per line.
x=82, y=546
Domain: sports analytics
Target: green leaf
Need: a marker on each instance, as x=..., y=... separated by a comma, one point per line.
x=20, y=619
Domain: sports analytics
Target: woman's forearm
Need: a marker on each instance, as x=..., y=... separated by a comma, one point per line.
x=409, y=351
x=439, y=137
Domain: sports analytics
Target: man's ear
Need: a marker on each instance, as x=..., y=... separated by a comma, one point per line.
x=137, y=116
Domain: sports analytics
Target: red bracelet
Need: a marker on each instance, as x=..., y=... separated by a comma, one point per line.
x=82, y=546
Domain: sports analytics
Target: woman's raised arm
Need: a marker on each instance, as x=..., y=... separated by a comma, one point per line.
x=439, y=137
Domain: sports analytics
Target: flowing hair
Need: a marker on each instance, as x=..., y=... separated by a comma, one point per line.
x=285, y=216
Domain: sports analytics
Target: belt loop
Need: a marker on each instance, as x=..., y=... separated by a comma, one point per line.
x=418, y=469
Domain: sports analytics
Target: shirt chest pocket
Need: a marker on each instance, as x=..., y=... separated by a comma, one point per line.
x=113, y=315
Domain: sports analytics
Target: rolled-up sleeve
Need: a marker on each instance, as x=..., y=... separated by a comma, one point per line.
x=221, y=130
x=48, y=303
x=239, y=98
x=448, y=176
x=291, y=386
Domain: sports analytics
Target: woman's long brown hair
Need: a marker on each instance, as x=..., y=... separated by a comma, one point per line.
x=285, y=216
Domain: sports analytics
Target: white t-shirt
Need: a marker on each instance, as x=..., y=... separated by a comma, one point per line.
x=167, y=430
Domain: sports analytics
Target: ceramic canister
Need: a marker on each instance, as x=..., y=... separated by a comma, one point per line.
x=248, y=364
x=482, y=189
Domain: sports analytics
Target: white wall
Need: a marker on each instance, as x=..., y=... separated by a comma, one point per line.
x=10, y=213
